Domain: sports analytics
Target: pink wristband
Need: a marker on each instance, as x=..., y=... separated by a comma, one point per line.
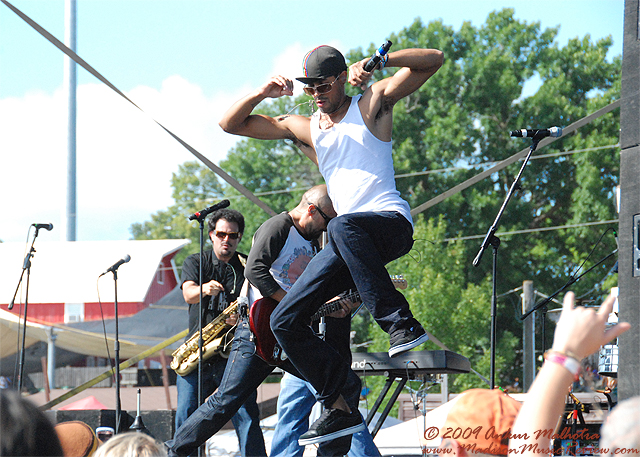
x=569, y=363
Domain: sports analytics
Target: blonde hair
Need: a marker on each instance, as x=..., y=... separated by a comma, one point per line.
x=621, y=428
x=131, y=444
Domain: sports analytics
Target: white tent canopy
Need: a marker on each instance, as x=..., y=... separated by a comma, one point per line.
x=67, y=338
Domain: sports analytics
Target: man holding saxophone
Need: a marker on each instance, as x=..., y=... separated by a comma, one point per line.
x=222, y=279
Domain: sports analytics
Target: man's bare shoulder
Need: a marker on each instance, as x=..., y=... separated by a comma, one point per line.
x=299, y=126
x=296, y=124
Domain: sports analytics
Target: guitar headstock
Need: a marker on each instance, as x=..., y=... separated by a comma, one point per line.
x=399, y=281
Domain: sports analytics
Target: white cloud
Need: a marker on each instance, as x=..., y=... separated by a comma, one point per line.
x=124, y=159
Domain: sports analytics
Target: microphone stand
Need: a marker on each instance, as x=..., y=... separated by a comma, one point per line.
x=26, y=266
x=200, y=219
x=542, y=305
x=200, y=311
x=117, y=351
x=494, y=241
x=200, y=216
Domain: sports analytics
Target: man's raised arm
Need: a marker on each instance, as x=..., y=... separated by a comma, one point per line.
x=238, y=120
x=417, y=66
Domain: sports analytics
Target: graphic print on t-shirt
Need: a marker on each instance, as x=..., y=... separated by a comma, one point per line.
x=294, y=265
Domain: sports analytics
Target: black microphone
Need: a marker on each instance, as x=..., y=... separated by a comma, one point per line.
x=43, y=226
x=377, y=56
x=538, y=134
x=205, y=212
x=116, y=265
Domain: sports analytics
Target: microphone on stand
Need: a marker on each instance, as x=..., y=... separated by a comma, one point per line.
x=205, y=212
x=138, y=423
x=537, y=134
x=27, y=260
x=43, y=226
x=116, y=265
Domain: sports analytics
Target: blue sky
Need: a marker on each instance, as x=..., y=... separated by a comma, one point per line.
x=183, y=62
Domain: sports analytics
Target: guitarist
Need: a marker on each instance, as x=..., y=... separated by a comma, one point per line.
x=282, y=247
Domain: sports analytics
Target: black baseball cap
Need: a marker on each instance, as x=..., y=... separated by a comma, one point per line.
x=320, y=63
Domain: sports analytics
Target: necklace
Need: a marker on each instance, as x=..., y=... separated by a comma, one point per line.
x=325, y=118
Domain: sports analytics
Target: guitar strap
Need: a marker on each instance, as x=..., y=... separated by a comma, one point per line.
x=243, y=300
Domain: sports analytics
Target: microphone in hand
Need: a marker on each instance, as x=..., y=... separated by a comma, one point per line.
x=377, y=56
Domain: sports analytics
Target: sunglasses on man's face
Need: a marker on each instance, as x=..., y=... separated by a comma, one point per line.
x=223, y=235
x=321, y=89
x=324, y=216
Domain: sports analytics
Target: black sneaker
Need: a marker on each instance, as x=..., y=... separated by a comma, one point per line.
x=404, y=339
x=332, y=424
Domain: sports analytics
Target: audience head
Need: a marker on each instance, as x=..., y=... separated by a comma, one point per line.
x=485, y=418
x=131, y=444
x=621, y=429
x=77, y=439
x=24, y=429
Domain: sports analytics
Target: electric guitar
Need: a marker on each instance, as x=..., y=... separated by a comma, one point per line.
x=267, y=348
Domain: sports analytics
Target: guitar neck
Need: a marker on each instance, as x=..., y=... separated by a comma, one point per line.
x=334, y=305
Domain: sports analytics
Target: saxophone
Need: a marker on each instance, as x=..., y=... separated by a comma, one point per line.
x=216, y=339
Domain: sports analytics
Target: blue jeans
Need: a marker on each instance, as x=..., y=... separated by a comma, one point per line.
x=245, y=371
x=246, y=421
x=360, y=245
x=295, y=402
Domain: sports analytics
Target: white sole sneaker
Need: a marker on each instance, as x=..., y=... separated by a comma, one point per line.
x=332, y=436
x=399, y=349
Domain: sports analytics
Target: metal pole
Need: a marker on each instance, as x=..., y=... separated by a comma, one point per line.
x=528, y=337
x=70, y=83
x=51, y=357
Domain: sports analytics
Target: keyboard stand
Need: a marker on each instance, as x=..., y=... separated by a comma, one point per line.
x=402, y=381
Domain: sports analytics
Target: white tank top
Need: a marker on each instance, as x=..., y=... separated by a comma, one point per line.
x=357, y=166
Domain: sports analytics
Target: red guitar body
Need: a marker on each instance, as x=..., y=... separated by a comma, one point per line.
x=267, y=348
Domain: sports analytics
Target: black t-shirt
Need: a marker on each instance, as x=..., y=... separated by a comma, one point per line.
x=273, y=241
x=230, y=275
